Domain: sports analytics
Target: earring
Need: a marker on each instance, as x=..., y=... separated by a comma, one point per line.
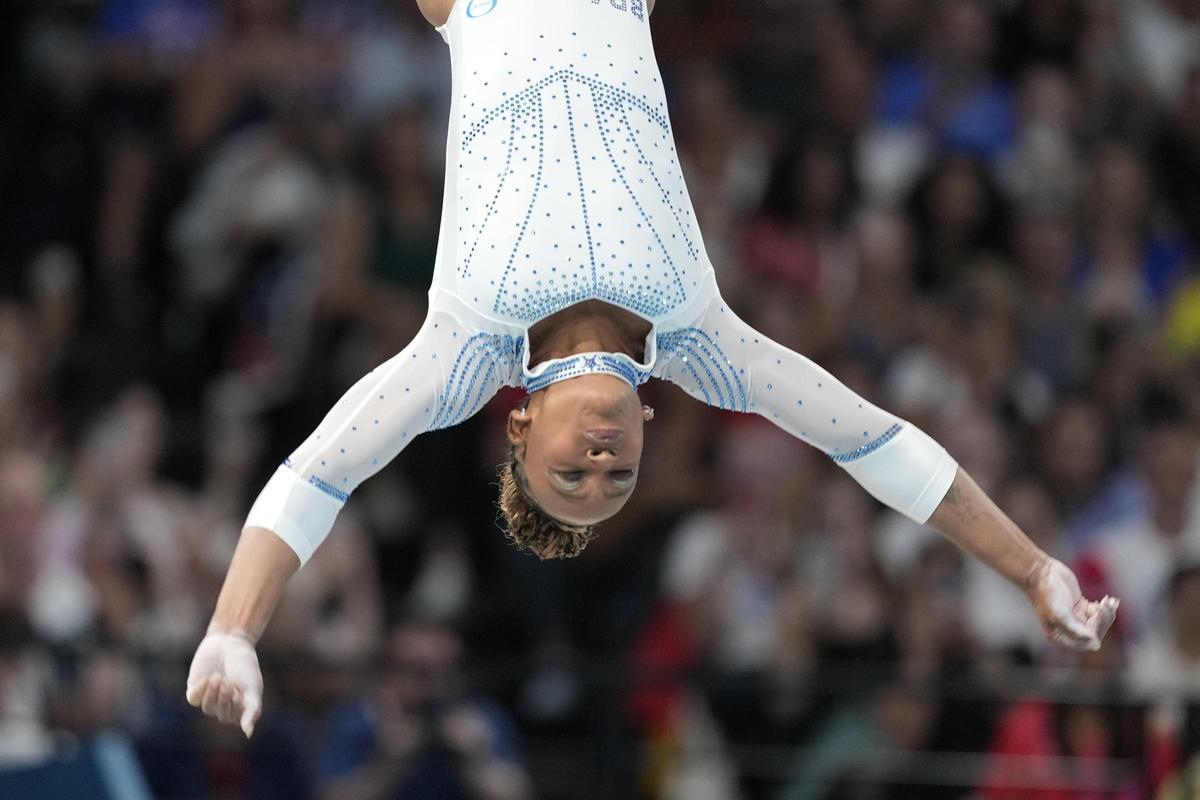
x=647, y=413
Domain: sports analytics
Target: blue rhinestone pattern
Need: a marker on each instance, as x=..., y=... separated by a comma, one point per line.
x=588, y=364
x=870, y=447
x=588, y=201
x=635, y=7
x=706, y=366
x=482, y=365
x=329, y=489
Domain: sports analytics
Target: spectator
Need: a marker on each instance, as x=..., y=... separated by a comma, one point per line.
x=24, y=735
x=952, y=92
x=1165, y=670
x=427, y=738
x=1132, y=265
x=1164, y=37
x=1045, y=750
x=1177, y=159
x=1139, y=554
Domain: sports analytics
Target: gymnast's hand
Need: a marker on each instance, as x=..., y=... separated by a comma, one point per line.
x=225, y=680
x=1068, y=618
x=969, y=518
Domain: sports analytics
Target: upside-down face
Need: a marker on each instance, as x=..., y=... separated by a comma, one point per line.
x=579, y=444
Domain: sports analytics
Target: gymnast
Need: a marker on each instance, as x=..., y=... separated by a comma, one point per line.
x=570, y=264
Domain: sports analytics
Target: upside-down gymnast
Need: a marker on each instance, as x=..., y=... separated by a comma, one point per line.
x=570, y=263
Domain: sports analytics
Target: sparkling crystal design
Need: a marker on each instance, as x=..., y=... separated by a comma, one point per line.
x=582, y=199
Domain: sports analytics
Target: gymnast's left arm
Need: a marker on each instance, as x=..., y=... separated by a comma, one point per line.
x=444, y=376
x=725, y=362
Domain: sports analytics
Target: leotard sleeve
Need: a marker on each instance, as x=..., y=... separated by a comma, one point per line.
x=726, y=363
x=441, y=378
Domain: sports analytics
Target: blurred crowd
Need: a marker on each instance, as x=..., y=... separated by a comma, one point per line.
x=984, y=215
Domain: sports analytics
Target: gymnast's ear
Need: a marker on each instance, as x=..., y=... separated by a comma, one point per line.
x=518, y=425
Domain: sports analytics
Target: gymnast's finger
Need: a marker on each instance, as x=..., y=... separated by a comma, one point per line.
x=212, y=695
x=1104, y=614
x=195, y=692
x=225, y=703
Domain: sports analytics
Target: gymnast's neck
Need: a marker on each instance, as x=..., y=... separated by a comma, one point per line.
x=587, y=327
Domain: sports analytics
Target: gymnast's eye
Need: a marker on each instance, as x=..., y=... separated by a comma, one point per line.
x=622, y=477
x=570, y=479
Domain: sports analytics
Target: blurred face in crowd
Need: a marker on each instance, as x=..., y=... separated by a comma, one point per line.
x=967, y=32
x=1074, y=447
x=708, y=96
x=1169, y=462
x=846, y=83
x=1189, y=111
x=983, y=445
x=1185, y=599
x=822, y=184
x=906, y=716
x=23, y=491
x=1121, y=189
x=987, y=329
x=1046, y=248
x=1049, y=98
x=579, y=444
x=1029, y=504
x=893, y=21
x=885, y=246
x=24, y=485
x=18, y=360
x=260, y=13
x=959, y=199
x=424, y=661
x=1050, y=17
x=122, y=449
x=400, y=146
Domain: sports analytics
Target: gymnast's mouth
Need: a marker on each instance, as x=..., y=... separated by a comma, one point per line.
x=605, y=437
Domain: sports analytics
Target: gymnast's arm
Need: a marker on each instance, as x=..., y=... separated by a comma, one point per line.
x=444, y=376
x=726, y=363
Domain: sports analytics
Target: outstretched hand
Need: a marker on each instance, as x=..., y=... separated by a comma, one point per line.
x=1068, y=618
x=225, y=680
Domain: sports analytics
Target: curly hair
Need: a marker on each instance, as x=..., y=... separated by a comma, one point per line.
x=529, y=527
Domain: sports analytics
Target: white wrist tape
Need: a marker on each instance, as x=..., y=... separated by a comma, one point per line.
x=295, y=511
x=911, y=473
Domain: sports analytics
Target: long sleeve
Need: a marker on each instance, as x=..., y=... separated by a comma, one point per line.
x=444, y=376
x=726, y=363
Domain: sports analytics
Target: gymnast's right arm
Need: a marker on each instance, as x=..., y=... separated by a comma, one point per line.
x=727, y=363
x=444, y=376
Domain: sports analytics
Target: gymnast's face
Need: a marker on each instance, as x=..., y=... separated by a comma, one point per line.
x=579, y=443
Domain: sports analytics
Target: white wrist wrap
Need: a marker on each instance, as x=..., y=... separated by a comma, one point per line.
x=911, y=473
x=295, y=511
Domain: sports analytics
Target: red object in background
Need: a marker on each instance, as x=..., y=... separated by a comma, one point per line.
x=1164, y=756
x=505, y=401
x=1032, y=762
x=661, y=655
x=781, y=254
x=228, y=774
x=1026, y=729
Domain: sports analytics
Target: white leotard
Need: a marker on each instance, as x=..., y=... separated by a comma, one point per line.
x=563, y=185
